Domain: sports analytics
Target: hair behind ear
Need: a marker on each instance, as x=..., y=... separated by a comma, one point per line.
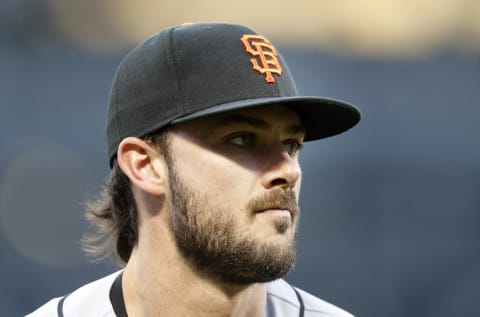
x=113, y=217
x=113, y=220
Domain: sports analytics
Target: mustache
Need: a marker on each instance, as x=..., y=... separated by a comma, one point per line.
x=276, y=199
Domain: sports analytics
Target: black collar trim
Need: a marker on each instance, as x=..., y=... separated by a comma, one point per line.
x=116, y=297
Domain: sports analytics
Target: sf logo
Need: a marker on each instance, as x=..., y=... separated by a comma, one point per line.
x=264, y=59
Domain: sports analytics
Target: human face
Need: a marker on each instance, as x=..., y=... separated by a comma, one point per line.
x=234, y=184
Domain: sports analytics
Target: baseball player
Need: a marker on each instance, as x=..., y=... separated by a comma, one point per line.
x=204, y=131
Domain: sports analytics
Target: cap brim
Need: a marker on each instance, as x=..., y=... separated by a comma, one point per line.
x=322, y=117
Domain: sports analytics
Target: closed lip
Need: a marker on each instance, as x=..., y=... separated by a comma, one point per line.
x=274, y=209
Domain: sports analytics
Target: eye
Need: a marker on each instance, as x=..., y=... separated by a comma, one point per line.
x=292, y=147
x=243, y=139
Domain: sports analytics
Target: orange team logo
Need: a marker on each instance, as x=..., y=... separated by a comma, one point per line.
x=263, y=51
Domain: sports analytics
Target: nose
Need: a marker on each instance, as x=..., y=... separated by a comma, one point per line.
x=282, y=170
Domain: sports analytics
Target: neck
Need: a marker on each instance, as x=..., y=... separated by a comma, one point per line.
x=159, y=282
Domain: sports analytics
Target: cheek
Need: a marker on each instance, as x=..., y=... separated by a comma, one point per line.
x=214, y=175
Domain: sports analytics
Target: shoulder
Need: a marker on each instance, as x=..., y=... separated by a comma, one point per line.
x=92, y=299
x=282, y=300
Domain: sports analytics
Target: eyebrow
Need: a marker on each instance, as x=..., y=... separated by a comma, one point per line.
x=253, y=122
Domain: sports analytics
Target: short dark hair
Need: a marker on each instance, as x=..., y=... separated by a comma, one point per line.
x=113, y=218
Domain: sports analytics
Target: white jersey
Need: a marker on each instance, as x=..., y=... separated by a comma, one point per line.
x=104, y=298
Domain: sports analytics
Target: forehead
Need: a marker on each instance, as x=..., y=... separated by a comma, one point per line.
x=279, y=116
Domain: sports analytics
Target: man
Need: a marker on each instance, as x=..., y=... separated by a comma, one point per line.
x=204, y=129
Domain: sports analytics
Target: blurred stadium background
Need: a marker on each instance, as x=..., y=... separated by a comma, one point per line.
x=391, y=209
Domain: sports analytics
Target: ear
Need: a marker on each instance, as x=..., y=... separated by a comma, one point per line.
x=143, y=165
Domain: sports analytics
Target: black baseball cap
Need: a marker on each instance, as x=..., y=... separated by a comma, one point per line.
x=194, y=70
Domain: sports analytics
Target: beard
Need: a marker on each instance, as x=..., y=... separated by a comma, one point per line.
x=211, y=240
